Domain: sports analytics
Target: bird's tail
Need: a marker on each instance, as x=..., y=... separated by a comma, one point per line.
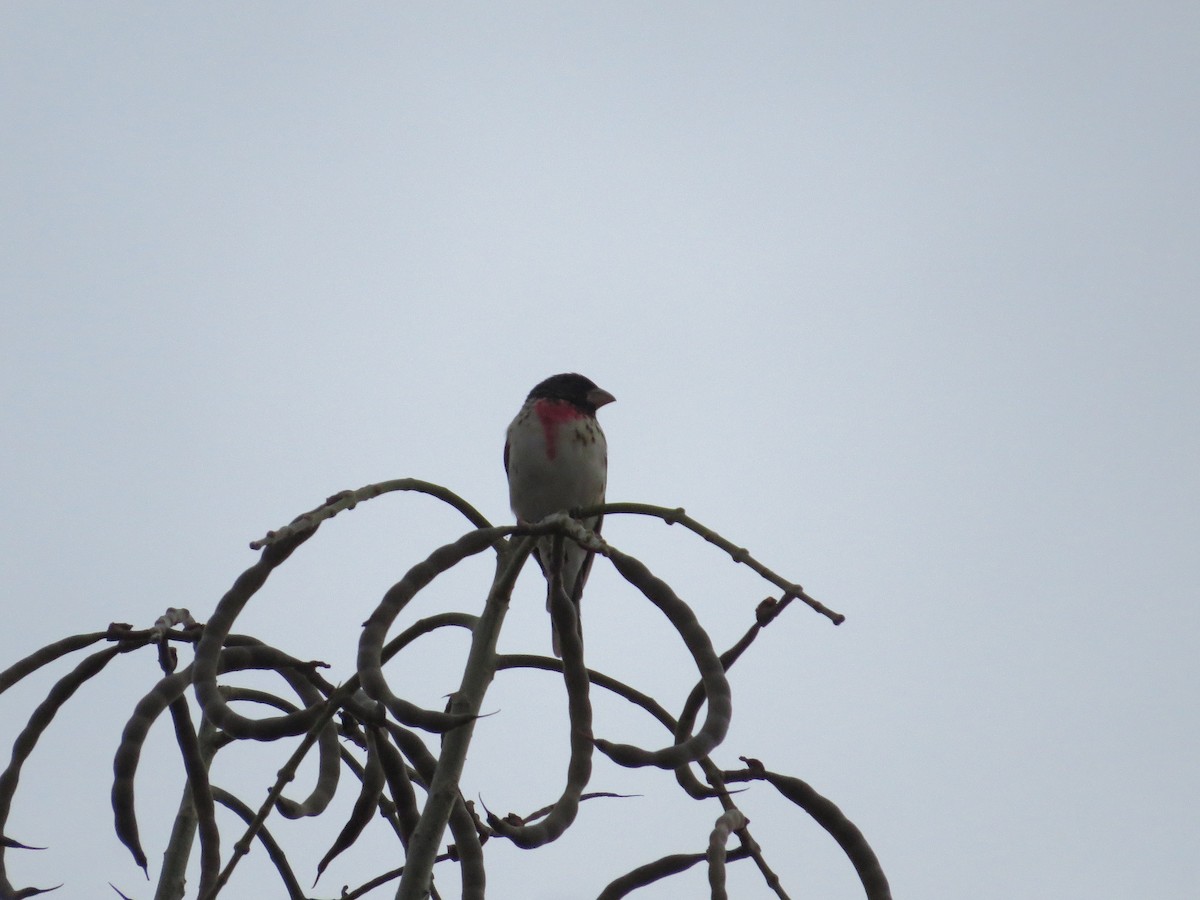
x=573, y=565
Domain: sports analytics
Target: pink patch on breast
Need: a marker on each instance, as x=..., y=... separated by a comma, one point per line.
x=553, y=413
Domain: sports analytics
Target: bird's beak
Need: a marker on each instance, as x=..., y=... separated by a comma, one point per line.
x=598, y=397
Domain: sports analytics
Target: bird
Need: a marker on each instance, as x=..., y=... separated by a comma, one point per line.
x=556, y=459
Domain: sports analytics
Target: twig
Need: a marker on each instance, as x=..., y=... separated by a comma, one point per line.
x=738, y=554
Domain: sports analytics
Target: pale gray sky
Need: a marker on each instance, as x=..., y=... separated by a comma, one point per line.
x=904, y=298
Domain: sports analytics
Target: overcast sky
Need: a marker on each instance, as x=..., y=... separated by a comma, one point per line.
x=905, y=298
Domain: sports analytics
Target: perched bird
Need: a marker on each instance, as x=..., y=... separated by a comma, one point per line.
x=557, y=460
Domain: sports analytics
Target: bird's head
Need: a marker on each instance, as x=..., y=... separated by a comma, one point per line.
x=574, y=389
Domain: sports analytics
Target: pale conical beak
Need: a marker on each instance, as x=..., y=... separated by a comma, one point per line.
x=598, y=397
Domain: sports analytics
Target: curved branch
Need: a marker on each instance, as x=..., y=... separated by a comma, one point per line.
x=129, y=750
x=38, y=722
x=307, y=522
x=364, y=807
x=549, y=664
x=712, y=674
x=245, y=652
x=832, y=819
x=248, y=654
x=404, y=798
x=328, y=749
x=468, y=849
x=687, y=718
x=274, y=851
x=728, y=822
x=46, y=655
x=579, y=708
x=657, y=870
x=480, y=668
x=201, y=791
x=424, y=626
x=370, y=644
x=216, y=631
x=255, y=825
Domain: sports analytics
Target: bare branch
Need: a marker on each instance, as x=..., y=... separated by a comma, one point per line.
x=829, y=817
x=38, y=722
x=308, y=522
x=712, y=673
x=364, y=807
x=736, y=553
x=370, y=713
x=196, y=767
x=286, y=774
x=443, y=791
x=208, y=652
x=662, y=868
x=370, y=646
x=579, y=710
x=274, y=851
x=729, y=821
x=46, y=655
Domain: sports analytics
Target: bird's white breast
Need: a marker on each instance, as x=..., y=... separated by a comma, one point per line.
x=574, y=476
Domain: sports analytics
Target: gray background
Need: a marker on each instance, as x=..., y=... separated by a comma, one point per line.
x=902, y=297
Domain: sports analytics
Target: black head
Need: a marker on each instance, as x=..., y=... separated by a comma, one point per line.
x=572, y=388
